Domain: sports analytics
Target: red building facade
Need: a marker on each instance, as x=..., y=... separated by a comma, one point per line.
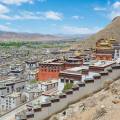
x=51, y=70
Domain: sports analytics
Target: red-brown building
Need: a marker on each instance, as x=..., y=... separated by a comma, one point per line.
x=50, y=69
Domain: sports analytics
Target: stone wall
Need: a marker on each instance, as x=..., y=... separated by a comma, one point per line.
x=62, y=101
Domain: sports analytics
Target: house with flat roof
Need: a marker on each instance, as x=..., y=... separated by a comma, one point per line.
x=76, y=75
x=48, y=85
x=101, y=65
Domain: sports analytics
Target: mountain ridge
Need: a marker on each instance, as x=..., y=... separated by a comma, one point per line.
x=112, y=30
x=24, y=36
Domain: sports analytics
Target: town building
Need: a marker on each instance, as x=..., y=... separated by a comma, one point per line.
x=116, y=48
x=50, y=69
x=77, y=75
x=48, y=85
x=16, y=70
x=32, y=93
x=31, y=64
x=101, y=66
x=31, y=75
x=10, y=101
x=12, y=84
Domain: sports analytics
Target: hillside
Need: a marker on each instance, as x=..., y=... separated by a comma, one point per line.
x=14, y=36
x=111, y=30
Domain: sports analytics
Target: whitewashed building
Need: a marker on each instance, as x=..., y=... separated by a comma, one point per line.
x=10, y=101
x=45, y=86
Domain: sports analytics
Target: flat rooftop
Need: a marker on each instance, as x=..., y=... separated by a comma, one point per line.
x=70, y=73
x=90, y=75
x=49, y=61
x=75, y=69
x=34, y=90
x=52, y=63
x=102, y=63
x=49, y=82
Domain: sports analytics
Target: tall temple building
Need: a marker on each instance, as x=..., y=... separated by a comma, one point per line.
x=105, y=49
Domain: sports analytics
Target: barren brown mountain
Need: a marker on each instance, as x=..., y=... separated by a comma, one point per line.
x=111, y=30
x=13, y=36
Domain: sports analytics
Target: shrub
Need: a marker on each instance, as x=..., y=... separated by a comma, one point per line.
x=68, y=86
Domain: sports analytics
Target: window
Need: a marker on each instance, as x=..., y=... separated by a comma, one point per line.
x=12, y=88
x=8, y=90
x=62, y=80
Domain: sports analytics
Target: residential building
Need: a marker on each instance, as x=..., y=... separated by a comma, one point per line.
x=10, y=101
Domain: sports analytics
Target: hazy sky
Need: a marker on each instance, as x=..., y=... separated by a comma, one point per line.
x=57, y=16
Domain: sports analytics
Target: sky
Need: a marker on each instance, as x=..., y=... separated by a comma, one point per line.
x=57, y=16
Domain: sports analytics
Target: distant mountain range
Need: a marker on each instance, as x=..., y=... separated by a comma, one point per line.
x=13, y=36
x=112, y=30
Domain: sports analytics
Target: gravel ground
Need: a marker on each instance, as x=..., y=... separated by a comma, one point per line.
x=104, y=105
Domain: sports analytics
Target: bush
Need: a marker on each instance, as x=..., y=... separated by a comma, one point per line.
x=33, y=81
x=68, y=86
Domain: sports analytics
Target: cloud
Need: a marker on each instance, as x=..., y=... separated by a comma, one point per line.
x=99, y=8
x=3, y=9
x=42, y=0
x=28, y=15
x=114, y=14
x=116, y=5
x=114, y=10
x=6, y=28
x=76, y=17
x=16, y=2
x=19, y=2
x=79, y=30
x=53, y=15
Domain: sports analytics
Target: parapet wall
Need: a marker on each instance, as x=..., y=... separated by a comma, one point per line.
x=62, y=101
